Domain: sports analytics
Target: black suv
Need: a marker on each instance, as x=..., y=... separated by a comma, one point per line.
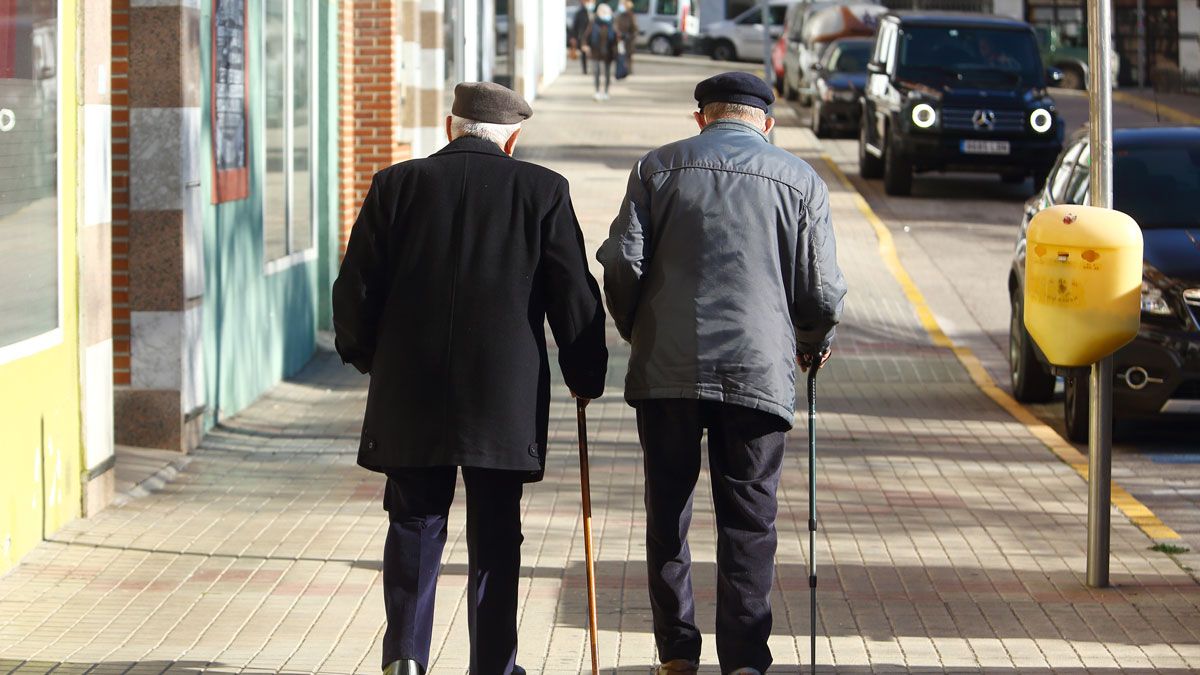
x=1156, y=177
x=957, y=92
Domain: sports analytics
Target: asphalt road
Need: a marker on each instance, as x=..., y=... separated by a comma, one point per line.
x=955, y=234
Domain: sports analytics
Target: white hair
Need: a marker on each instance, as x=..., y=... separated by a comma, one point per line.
x=496, y=133
x=747, y=113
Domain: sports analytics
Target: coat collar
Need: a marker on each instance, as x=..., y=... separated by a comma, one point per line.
x=471, y=144
x=730, y=124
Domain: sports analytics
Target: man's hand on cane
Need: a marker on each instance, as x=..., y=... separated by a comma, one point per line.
x=805, y=361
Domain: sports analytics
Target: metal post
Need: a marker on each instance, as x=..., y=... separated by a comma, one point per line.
x=768, y=71
x=1101, y=380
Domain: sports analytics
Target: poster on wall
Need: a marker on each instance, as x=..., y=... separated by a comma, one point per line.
x=230, y=128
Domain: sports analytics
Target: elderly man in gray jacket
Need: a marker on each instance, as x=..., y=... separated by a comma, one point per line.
x=721, y=271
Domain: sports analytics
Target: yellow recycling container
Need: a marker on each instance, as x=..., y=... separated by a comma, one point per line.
x=1083, y=277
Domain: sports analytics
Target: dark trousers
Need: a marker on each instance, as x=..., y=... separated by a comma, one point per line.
x=745, y=454
x=607, y=73
x=583, y=56
x=418, y=501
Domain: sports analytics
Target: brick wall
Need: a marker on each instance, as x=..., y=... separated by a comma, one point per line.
x=369, y=101
x=120, y=188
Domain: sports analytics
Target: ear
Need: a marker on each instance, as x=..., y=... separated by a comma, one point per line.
x=449, y=124
x=769, y=125
x=511, y=144
x=700, y=121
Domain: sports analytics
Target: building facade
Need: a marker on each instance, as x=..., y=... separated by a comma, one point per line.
x=177, y=182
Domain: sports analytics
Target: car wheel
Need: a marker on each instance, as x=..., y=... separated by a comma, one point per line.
x=660, y=45
x=1031, y=382
x=724, y=51
x=1075, y=408
x=897, y=171
x=817, y=121
x=1073, y=78
x=869, y=166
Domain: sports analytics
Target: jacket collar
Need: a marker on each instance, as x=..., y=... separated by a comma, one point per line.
x=471, y=144
x=737, y=126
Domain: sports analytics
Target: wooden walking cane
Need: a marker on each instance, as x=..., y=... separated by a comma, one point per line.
x=586, y=489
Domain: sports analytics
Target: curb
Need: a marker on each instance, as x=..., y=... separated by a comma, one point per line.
x=1137, y=512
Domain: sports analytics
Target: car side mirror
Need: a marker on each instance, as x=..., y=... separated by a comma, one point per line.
x=875, y=67
x=1054, y=76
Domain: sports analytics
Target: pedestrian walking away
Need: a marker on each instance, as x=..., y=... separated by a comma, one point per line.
x=579, y=30
x=627, y=26
x=453, y=267
x=602, y=40
x=721, y=271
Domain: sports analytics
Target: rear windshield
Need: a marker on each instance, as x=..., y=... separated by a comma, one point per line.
x=1158, y=186
x=850, y=57
x=973, y=57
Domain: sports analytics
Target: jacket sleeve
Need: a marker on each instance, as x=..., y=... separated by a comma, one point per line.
x=360, y=291
x=625, y=253
x=573, y=304
x=819, y=289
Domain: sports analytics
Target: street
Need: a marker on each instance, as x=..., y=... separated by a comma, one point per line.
x=952, y=532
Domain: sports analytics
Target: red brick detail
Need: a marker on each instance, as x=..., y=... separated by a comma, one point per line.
x=120, y=197
x=368, y=101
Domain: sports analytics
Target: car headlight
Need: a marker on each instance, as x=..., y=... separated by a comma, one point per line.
x=923, y=115
x=1041, y=120
x=1153, y=300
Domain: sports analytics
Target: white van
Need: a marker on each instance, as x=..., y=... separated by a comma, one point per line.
x=741, y=38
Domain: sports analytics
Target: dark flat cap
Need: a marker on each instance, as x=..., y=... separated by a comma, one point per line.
x=489, y=102
x=735, y=87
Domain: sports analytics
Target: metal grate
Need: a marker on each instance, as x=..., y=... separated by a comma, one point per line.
x=962, y=119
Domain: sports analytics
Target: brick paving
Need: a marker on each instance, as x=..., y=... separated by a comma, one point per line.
x=951, y=540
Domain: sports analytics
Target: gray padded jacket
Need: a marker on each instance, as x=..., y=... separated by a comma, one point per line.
x=721, y=268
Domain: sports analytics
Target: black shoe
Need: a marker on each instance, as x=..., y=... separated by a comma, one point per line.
x=404, y=667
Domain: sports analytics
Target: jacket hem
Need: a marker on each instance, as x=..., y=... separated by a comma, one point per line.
x=788, y=413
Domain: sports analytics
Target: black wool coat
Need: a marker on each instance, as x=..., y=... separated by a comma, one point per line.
x=453, y=267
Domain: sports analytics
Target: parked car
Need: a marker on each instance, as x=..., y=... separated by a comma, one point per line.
x=1156, y=177
x=841, y=77
x=957, y=92
x=742, y=37
x=1070, y=55
x=821, y=25
x=666, y=27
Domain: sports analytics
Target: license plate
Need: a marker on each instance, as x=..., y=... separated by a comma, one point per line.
x=984, y=147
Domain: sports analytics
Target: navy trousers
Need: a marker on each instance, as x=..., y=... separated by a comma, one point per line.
x=745, y=454
x=417, y=502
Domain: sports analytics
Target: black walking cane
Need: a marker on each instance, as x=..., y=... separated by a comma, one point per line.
x=812, y=511
x=586, y=490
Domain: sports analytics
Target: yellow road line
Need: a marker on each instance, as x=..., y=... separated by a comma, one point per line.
x=1138, y=513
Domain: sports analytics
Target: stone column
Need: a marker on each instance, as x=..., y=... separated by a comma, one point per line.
x=162, y=404
x=95, y=251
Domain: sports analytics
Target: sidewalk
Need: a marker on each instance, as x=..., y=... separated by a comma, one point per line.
x=951, y=539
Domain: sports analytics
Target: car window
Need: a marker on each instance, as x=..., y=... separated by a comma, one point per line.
x=1077, y=187
x=985, y=57
x=849, y=58
x=669, y=7
x=1062, y=174
x=1157, y=186
x=641, y=6
x=750, y=18
x=778, y=14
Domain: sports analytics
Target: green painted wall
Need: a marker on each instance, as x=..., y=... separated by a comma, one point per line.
x=260, y=327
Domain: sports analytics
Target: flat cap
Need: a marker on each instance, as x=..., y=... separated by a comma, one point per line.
x=489, y=102
x=735, y=87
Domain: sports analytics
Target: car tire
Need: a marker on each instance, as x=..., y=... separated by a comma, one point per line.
x=660, y=45
x=724, y=51
x=1073, y=78
x=1076, y=408
x=817, y=120
x=897, y=171
x=1031, y=381
x=869, y=166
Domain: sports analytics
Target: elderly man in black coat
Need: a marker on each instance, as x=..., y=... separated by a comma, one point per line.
x=453, y=267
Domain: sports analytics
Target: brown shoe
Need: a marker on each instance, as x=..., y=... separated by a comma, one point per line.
x=678, y=667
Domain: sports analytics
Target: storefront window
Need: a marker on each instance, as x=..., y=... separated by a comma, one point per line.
x=287, y=202
x=29, y=304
